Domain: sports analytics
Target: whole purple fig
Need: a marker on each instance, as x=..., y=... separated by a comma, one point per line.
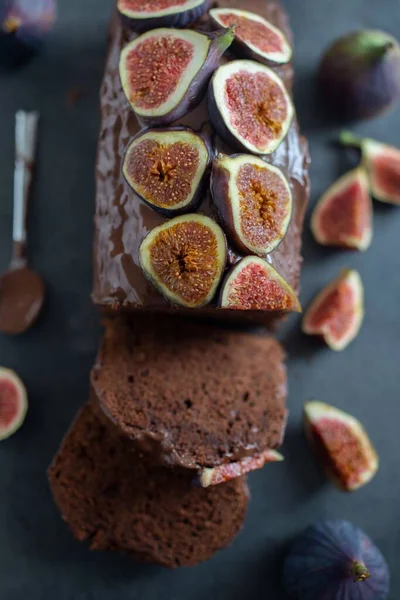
x=334, y=560
x=360, y=73
x=24, y=25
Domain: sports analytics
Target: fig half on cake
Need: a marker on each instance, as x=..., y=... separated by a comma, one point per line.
x=249, y=106
x=165, y=72
x=255, y=37
x=184, y=258
x=254, y=202
x=167, y=169
x=140, y=16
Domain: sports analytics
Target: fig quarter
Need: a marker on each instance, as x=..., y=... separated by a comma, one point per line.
x=13, y=403
x=140, y=16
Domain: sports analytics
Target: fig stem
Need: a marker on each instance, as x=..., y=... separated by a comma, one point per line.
x=349, y=139
x=359, y=571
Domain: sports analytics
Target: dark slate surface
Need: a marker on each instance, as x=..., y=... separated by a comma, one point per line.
x=38, y=557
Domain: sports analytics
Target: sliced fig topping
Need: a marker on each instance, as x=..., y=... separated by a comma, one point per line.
x=166, y=168
x=148, y=14
x=343, y=215
x=185, y=258
x=165, y=72
x=255, y=37
x=253, y=284
x=337, y=313
x=13, y=403
x=342, y=445
x=254, y=202
x=226, y=472
x=249, y=106
x=382, y=163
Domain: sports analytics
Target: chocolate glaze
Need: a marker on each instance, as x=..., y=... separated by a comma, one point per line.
x=21, y=298
x=122, y=220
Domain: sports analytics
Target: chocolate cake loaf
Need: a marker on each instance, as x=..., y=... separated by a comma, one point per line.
x=191, y=395
x=155, y=515
x=122, y=220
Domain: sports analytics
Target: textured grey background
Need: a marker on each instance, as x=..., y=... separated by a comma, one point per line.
x=38, y=556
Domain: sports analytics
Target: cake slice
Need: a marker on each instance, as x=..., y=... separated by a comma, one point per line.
x=190, y=394
x=122, y=220
x=115, y=502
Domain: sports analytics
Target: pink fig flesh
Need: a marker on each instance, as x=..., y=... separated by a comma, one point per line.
x=254, y=202
x=141, y=15
x=13, y=403
x=337, y=313
x=254, y=284
x=226, y=472
x=342, y=445
x=343, y=215
x=256, y=37
x=249, y=106
x=382, y=163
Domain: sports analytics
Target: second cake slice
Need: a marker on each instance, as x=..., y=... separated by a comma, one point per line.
x=191, y=395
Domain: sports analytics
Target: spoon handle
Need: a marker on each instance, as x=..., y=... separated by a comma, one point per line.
x=26, y=125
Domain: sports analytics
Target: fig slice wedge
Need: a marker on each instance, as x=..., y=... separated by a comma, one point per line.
x=253, y=284
x=167, y=168
x=254, y=202
x=141, y=15
x=13, y=403
x=343, y=215
x=184, y=258
x=165, y=72
x=255, y=37
x=249, y=106
x=227, y=472
x=342, y=445
x=382, y=164
x=337, y=312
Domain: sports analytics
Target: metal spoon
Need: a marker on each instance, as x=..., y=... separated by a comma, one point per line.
x=21, y=289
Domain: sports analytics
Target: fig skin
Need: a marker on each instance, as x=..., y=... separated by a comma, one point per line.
x=10, y=382
x=359, y=74
x=334, y=560
x=352, y=227
x=218, y=109
x=259, y=272
x=182, y=251
x=342, y=444
x=199, y=69
x=347, y=292
x=227, y=472
x=229, y=201
x=179, y=16
x=186, y=135
x=249, y=50
x=382, y=164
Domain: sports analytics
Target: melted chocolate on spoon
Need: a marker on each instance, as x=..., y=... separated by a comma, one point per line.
x=21, y=289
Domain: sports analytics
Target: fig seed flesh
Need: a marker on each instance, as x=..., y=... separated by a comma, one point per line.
x=249, y=106
x=255, y=37
x=166, y=168
x=185, y=258
x=337, y=312
x=13, y=403
x=342, y=445
x=343, y=215
x=254, y=201
x=253, y=284
x=227, y=472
